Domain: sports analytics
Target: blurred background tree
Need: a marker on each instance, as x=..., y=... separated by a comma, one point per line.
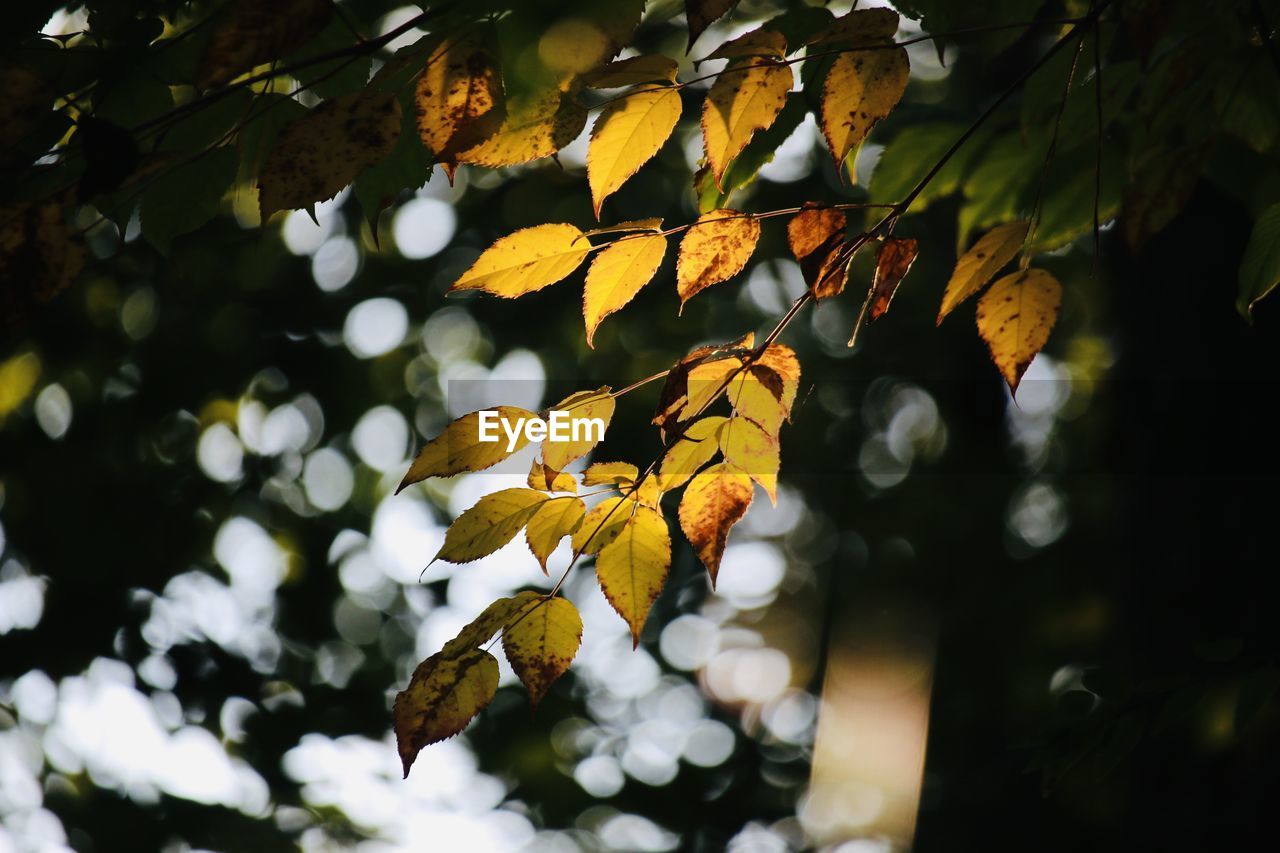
x=208, y=594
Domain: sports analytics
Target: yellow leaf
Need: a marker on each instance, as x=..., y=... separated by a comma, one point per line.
x=493, y=619
x=758, y=42
x=693, y=450
x=554, y=520
x=714, y=501
x=1015, y=317
x=617, y=274
x=983, y=260
x=745, y=99
x=588, y=415
x=816, y=236
x=862, y=87
x=537, y=124
x=673, y=403
x=317, y=155
x=651, y=68
x=861, y=26
x=633, y=567
x=750, y=449
x=627, y=134
x=443, y=696
x=544, y=478
x=526, y=260
x=610, y=473
x=248, y=33
x=766, y=390
x=602, y=525
x=459, y=448
x=707, y=381
x=491, y=523
x=653, y=223
x=459, y=97
x=716, y=248
x=541, y=642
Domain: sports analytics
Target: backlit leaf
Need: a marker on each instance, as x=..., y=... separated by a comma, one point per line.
x=610, y=473
x=746, y=98
x=862, y=87
x=584, y=409
x=541, y=642
x=602, y=524
x=689, y=453
x=1260, y=268
x=526, y=260
x=633, y=567
x=544, y=478
x=760, y=42
x=673, y=402
x=248, y=33
x=716, y=248
x=491, y=620
x=617, y=274
x=707, y=381
x=766, y=390
x=713, y=502
x=893, y=260
x=627, y=134
x=491, y=523
x=861, y=26
x=749, y=448
x=459, y=97
x=817, y=237
x=458, y=447
x=554, y=520
x=319, y=154
x=443, y=696
x=537, y=124
x=1015, y=317
x=652, y=223
x=703, y=13
x=983, y=260
x=651, y=68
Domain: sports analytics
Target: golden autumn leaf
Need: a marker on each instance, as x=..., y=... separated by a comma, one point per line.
x=248, y=33
x=745, y=99
x=749, y=448
x=547, y=479
x=757, y=42
x=673, y=402
x=713, y=502
x=703, y=13
x=610, y=473
x=588, y=414
x=652, y=223
x=766, y=390
x=716, y=248
x=541, y=641
x=893, y=260
x=458, y=447
x=1015, y=317
x=554, y=520
x=861, y=88
x=861, y=26
x=317, y=155
x=650, y=68
x=492, y=619
x=626, y=135
x=536, y=124
x=983, y=260
x=690, y=452
x=632, y=569
x=491, y=523
x=816, y=236
x=444, y=695
x=458, y=99
x=602, y=524
x=708, y=380
x=617, y=274
x=526, y=260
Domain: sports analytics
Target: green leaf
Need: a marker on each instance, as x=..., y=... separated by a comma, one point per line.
x=271, y=112
x=1260, y=269
x=180, y=200
x=407, y=167
x=337, y=76
x=909, y=156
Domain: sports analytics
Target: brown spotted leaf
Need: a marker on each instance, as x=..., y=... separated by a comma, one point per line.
x=713, y=503
x=493, y=522
x=554, y=520
x=1015, y=317
x=703, y=13
x=817, y=238
x=541, y=641
x=537, y=124
x=461, y=445
x=459, y=97
x=248, y=33
x=745, y=99
x=893, y=260
x=715, y=249
x=317, y=155
x=983, y=260
x=40, y=255
x=862, y=87
x=651, y=68
x=632, y=569
x=444, y=695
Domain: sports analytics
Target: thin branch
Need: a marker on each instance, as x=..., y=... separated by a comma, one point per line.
x=1038, y=209
x=1097, y=166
